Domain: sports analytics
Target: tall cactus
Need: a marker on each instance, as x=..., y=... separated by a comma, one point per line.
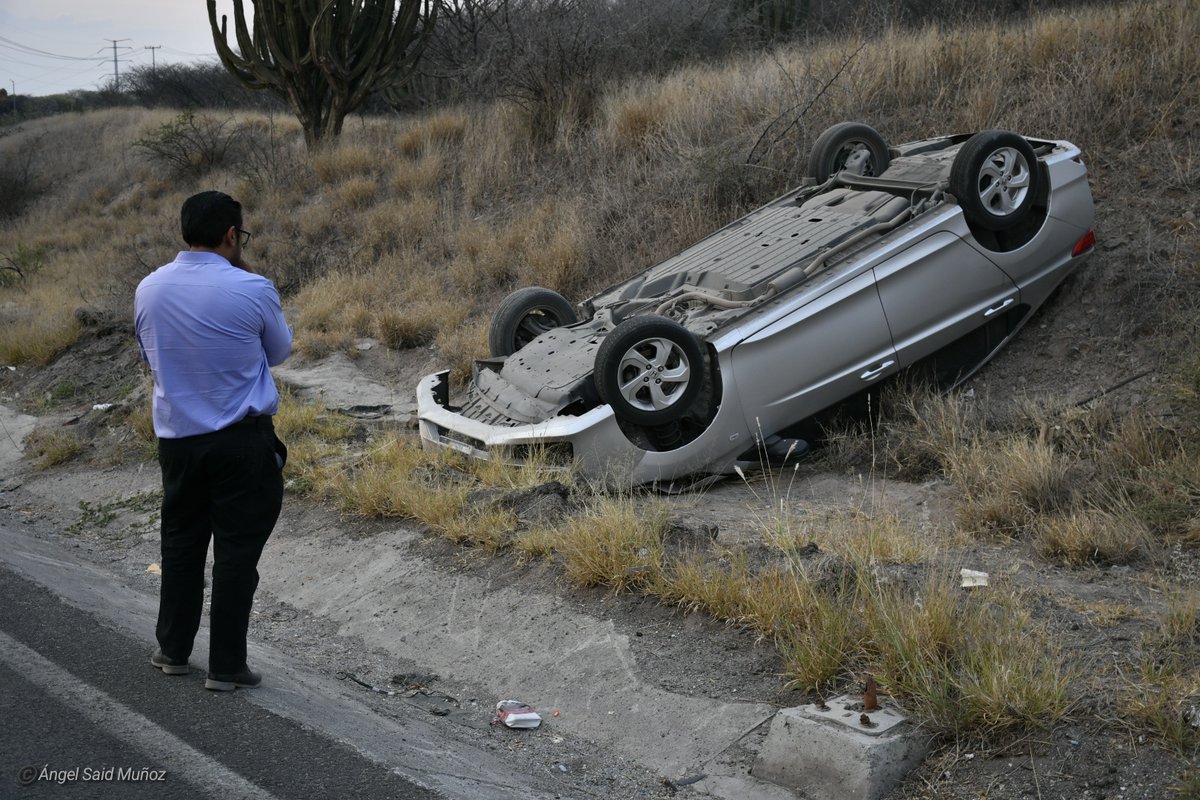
x=325, y=57
x=773, y=18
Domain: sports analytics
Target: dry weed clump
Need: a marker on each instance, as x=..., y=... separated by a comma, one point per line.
x=412, y=178
x=1089, y=537
x=1179, y=623
x=354, y=194
x=1007, y=485
x=768, y=601
x=914, y=433
x=439, y=127
x=395, y=478
x=613, y=542
x=969, y=664
x=334, y=311
x=460, y=347
x=51, y=448
x=1163, y=698
x=341, y=161
x=38, y=339
x=861, y=535
x=317, y=440
x=824, y=646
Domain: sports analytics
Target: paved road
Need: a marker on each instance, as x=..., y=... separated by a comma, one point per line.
x=85, y=716
x=78, y=696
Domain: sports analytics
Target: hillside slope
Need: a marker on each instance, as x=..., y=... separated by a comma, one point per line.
x=1069, y=467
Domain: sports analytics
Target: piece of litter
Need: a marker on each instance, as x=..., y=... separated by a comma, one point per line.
x=516, y=714
x=154, y=569
x=972, y=577
x=342, y=676
x=102, y=406
x=556, y=713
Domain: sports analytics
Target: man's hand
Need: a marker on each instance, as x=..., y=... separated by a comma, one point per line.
x=240, y=263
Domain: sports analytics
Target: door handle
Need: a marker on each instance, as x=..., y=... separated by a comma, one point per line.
x=1001, y=307
x=872, y=374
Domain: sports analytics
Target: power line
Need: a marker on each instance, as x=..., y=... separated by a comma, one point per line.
x=186, y=53
x=33, y=51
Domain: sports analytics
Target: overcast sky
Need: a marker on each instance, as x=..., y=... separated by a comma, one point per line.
x=36, y=35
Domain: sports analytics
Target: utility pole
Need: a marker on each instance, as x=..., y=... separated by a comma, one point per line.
x=152, y=48
x=116, y=75
x=14, y=85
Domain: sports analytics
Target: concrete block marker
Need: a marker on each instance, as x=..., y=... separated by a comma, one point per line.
x=838, y=752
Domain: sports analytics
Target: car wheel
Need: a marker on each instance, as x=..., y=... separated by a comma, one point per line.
x=995, y=179
x=525, y=315
x=650, y=370
x=852, y=146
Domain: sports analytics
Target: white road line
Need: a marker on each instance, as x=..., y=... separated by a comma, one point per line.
x=168, y=751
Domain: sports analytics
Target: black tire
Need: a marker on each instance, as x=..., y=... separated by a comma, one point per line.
x=524, y=315
x=855, y=146
x=996, y=179
x=666, y=358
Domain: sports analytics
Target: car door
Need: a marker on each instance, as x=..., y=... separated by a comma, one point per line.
x=937, y=291
x=816, y=355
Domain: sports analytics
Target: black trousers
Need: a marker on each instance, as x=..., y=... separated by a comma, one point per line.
x=226, y=486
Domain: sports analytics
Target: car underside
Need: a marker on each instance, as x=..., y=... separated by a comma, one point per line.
x=885, y=257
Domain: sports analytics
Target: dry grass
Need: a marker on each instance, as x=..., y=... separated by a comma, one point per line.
x=879, y=536
x=657, y=166
x=1094, y=537
x=965, y=663
x=613, y=542
x=769, y=601
x=50, y=448
x=39, y=339
x=971, y=665
x=1161, y=698
x=439, y=127
x=344, y=160
x=410, y=230
x=1007, y=485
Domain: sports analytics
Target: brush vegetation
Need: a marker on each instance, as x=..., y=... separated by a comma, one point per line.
x=410, y=229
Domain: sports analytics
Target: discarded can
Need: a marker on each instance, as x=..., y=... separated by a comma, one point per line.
x=516, y=714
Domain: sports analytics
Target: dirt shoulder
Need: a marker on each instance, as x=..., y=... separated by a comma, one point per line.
x=644, y=693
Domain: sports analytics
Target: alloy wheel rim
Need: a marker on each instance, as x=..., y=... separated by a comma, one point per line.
x=653, y=374
x=1004, y=181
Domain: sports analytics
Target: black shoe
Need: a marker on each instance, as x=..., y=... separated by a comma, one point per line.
x=169, y=666
x=227, y=682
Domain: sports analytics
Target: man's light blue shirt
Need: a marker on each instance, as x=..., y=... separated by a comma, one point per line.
x=209, y=331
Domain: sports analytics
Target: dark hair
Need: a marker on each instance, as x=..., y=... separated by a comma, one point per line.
x=207, y=216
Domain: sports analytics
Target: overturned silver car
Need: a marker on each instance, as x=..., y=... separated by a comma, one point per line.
x=935, y=251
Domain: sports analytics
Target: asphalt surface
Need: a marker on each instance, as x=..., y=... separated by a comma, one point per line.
x=84, y=715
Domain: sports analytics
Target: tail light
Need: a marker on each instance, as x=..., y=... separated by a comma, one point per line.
x=1085, y=244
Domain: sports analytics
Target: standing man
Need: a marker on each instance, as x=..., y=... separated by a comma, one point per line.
x=210, y=328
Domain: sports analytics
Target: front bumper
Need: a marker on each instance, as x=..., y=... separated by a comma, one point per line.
x=597, y=445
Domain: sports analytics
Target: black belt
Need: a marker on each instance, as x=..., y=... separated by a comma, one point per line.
x=254, y=421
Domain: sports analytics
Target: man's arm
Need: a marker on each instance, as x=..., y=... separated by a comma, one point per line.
x=276, y=335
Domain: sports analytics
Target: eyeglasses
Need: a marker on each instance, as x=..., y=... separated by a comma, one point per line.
x=244, y=236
